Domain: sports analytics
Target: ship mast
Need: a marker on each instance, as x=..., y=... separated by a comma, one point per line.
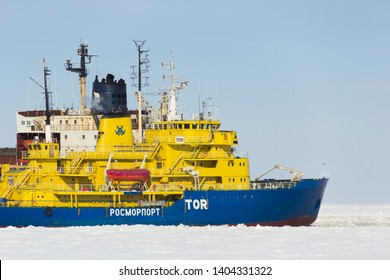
x=46, y=73
x=137, y=75
x=174, y=89
x=85, y=59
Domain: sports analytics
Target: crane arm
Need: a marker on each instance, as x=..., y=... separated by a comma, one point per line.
x=297, y=175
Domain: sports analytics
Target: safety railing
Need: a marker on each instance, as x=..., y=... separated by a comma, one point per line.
x=273, y=185
x=182, y=139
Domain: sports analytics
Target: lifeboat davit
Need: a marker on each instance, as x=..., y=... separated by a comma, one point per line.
x=137, y=175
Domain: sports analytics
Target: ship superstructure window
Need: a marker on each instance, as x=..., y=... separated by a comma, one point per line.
x=28, y=122
x=23, y=122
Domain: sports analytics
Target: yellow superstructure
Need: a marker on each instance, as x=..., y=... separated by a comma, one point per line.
x=180, y=155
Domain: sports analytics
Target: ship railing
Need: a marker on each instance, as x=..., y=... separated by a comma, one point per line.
x=181, y=139
x=37, y=154
x=226, y=186
x=57, y=203
x=203, y=187
x=50, y=187
x=230, y=186
x=214, y=155
x=58, y=170
x=68, y=149
x=69, y=170
x=31, y=203
x=119, y=151
x=73, y=127
x=274, y=185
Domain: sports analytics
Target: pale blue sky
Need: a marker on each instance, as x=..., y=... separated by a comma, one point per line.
x=303, y=82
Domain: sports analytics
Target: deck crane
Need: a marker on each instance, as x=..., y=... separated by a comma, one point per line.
x=297, y=175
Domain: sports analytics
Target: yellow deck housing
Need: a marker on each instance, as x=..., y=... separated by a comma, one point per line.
x=180, y=155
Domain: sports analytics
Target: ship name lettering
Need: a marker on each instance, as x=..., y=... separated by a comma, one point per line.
x=196, y=204
x=179, y=139
x=135, y=212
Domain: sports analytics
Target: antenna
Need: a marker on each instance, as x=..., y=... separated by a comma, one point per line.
x=174, y=89
x=46, y=73
x=143, y=67
x=85, y=59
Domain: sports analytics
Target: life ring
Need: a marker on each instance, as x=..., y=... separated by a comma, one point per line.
x=211, y=188
x=48, y=211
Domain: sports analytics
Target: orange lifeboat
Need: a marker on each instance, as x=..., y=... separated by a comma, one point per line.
x=136, y=175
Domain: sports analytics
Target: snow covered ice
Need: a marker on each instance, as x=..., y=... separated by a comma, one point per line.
x=341, y=232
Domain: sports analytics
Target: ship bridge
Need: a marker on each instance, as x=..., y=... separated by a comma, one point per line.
x=190, y=132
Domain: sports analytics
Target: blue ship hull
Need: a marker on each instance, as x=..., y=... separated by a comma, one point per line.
x=295, y=206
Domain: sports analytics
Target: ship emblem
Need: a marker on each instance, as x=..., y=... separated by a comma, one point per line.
x=120, y=130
